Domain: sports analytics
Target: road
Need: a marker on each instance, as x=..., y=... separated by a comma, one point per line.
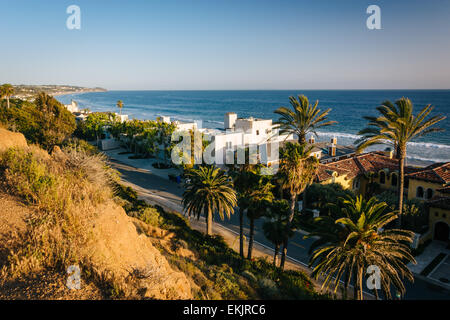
x=298, y=247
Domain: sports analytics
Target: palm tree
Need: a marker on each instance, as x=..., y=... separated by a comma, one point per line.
x=208, y=190
x=396, y=126
x=351, y=240
x=275, y=227
x=299, y=169
x=7, y=90
x=304, y=118
x=241, y=180
x=120, y=106
x=259, y=200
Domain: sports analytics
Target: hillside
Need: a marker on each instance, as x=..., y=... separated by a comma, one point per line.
x=47, y=225
x=30, y=91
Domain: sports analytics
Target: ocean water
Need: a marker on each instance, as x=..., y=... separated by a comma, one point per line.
x=348, y=108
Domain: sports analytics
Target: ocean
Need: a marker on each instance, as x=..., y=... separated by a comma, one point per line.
x=348, y=108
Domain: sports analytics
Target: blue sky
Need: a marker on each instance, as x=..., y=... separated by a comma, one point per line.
x=227, y=44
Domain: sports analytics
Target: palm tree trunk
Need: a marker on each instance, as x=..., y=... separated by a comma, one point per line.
x=7, y=102
x=360, y=286
x=302, y=139
x=401, y=165
x=275, y=255
x=241, y=232
x=209, y=222
x=251, y=237
x=288, y=227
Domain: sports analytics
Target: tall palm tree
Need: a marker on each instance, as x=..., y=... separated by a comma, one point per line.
x=7, y=90
x=302, y=119
x=120, y=106
x=242, y=175
x=275, y=227
x=396, y=126
x=259, y=200
x=242, y=183
x=299, y=169
x=208, y=191
x=351, y=240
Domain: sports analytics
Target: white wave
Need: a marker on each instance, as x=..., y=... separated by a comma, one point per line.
x=427, y=159
x=411, y=144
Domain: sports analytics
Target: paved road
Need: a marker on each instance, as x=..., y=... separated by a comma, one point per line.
x=298, y=247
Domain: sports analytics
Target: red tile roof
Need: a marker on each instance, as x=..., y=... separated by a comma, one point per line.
x=438, y=173
x=357, y=165
x=440, y=202
x=444, y=189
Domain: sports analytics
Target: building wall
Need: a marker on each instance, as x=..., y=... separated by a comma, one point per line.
x=388, y=180
x=438, y=215
x=414, y=184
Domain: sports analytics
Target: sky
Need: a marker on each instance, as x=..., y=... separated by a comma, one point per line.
x=226, y=44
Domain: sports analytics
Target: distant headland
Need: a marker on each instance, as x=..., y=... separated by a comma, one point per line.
x=29, y=91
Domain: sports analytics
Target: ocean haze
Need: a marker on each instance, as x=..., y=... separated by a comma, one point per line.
x=348, y=108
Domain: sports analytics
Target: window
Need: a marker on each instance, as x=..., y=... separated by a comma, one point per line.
x=394, y=180
x=356, y=183
x=382, y=177
x=229, y=145
x=419, y=192
x=257, y=132
x=429, y=193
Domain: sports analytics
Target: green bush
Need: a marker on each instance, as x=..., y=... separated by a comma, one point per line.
x=24, y=176
x=148, y=215
x=45, y=121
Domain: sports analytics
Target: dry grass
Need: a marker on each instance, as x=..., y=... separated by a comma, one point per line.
x=63, y=190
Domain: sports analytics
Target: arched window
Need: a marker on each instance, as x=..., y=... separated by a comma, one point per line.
x=419, y=192
x=382, y=177
x=356, y=184
x=394, y=180
x=429, y=193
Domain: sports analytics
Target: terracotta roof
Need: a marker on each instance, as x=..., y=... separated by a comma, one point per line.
x=438, y=172
x=362, y=164
x=440, y=202
x=445, y=189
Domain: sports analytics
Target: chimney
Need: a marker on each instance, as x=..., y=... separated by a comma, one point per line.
x=230, y=120
x=311, y=139
x=389, y=153
x=332, y=150
x=334, y=140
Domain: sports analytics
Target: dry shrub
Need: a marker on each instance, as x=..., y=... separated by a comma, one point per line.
x=63, y=189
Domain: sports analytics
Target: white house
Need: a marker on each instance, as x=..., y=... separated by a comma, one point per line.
x=72, y=107
x=259, y=134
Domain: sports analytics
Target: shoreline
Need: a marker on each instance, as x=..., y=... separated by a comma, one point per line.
x=415, y=158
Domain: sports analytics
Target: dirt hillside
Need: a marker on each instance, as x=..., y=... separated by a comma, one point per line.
x=117, y=250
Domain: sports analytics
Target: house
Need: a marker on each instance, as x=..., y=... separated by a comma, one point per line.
x=72, y=107
x=330, y=151
x=432, y=185
x=424, y=184
x=256, y=133
x=358, y=171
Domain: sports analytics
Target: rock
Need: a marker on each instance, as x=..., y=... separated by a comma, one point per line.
x=10, y=139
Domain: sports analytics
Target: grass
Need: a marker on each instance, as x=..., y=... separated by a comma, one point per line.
x=217, y=270
x=433, y=264
x=62, y=190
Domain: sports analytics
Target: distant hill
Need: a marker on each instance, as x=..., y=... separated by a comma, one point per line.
x=29, y=91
